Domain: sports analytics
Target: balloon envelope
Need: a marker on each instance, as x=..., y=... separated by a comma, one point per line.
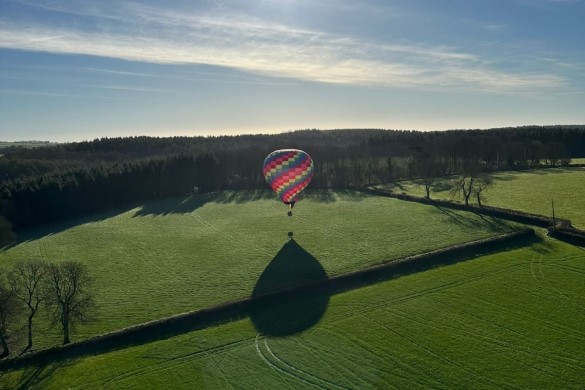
x=288, y=172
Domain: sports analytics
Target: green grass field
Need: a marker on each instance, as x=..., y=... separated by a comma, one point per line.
x=177, y=255
x=530, y=191
x=511, y=320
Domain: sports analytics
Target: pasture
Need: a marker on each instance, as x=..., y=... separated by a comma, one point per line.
x=508, y=320
x=176, y=255
x=530, y=191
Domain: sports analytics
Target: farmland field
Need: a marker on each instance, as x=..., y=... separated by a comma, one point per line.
x=177, y=255
x=529, y=191
x=511, y=320
x=24, y=144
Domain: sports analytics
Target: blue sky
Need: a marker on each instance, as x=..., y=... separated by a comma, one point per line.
x=81, y=69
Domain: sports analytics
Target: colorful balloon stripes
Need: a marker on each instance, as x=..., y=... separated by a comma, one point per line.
x=288, y=172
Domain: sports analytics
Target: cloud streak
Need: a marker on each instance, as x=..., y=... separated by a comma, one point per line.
x=148, y=34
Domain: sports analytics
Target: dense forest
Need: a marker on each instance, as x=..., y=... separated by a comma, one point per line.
x=48, y=183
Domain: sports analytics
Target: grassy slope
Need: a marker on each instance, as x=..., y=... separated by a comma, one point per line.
x=531, y=191
x=173, y=256
x=508, y=320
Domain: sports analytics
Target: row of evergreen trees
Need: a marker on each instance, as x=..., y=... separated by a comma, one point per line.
x=108, y=173
x=504, y=147
x=42, y=199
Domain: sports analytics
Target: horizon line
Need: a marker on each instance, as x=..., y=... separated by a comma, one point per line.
x=227, y=134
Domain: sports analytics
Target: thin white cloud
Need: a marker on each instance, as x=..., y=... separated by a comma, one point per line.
x=201, y=76
x=141, y=33
x=51, y=94
x=137, y=89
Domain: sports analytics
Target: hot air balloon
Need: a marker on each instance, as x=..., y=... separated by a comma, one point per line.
x=288, y=172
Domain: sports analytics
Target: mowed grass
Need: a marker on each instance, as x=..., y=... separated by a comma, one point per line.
x=177, y=255
x=530, y=191
x=511, y=320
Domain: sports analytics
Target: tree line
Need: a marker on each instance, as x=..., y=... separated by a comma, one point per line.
x=46, y=184
x=64, y=291
x=503, y=146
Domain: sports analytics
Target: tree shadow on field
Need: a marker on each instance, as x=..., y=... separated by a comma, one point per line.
x=549, y=170
x=241, y=196
x=173, y=205
x=464, y=219
x=443, y=186
x=321, y=195
x=505, y=177
x=188, y=204
x=34, y=375
x=179, y=205
x=279, y=310
x=351, y=195
x=457, y=218
x=38, y=232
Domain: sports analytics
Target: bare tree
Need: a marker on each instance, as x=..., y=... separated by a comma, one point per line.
x=472, y=181
x=482, y=184
x=469, y=184
x=464, y=186
x=69, y=292
x=426, y=167
x=9, y=310
x=25, y=283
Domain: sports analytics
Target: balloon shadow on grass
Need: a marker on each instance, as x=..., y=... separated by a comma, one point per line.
x=287, y=298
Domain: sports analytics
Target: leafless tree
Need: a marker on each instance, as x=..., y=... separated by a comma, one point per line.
x=469, y=184
x=70, y=295
x=463, y=186
x=427, y=168
x=9, y=310
x=482, y=184
x=25, y=283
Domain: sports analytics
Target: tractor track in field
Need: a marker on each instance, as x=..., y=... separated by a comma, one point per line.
x=322, y=361
x=405, y=367
x=536, y=269
x=280, y=370
x=546, y=355
x=212, y=228
x=279, y=365
x=569, y=332
x=167, y=363
x=498, y=343
x=296, y=369
x=324, y=228
x=480, y=378
x=569, y=268
x=418, y=294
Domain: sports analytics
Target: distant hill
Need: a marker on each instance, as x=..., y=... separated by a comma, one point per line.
x=24, y=144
